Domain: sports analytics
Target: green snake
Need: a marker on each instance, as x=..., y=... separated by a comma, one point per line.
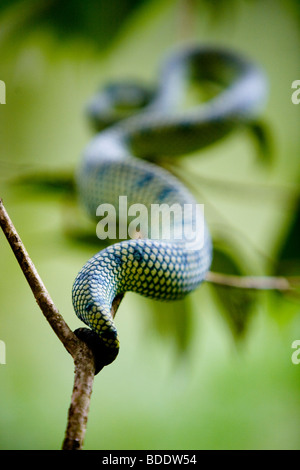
x=138, y=127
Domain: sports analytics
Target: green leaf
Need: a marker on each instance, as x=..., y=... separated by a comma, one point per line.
x=98, y=21
x=237, y=304
x=46, y=182
x=173, y=321
x=288, y=260
x=261, y=136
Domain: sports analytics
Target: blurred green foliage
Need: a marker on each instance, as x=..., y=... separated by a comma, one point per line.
x=95, y=20
x=182, y=379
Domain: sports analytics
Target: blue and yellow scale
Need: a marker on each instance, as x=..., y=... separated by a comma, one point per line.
x=123, y=158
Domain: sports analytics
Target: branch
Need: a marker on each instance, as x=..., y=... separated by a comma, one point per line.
x=284, y=284
x=82, y=355
x=40, y=292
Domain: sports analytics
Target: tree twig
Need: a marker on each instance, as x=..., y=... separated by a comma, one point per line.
x=80, y=400
x=283, y=284
x=39, y=291
x=82, y=355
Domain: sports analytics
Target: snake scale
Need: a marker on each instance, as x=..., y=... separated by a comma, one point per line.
x=121, y=160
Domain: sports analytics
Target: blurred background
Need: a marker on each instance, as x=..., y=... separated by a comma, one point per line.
x=215, y=371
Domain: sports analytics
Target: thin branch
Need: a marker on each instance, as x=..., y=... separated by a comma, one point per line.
x=39, y=290
x=82, y=355
x=187, y=19
x=255, y=191
x=84, y=378
x=80, y=401
x=254, y=282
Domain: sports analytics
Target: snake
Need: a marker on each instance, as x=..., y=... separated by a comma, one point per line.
x=136, y=127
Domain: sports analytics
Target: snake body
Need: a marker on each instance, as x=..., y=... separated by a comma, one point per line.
x=120, y=160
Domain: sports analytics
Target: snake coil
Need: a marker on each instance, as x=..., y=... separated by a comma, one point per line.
x=139, y=127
